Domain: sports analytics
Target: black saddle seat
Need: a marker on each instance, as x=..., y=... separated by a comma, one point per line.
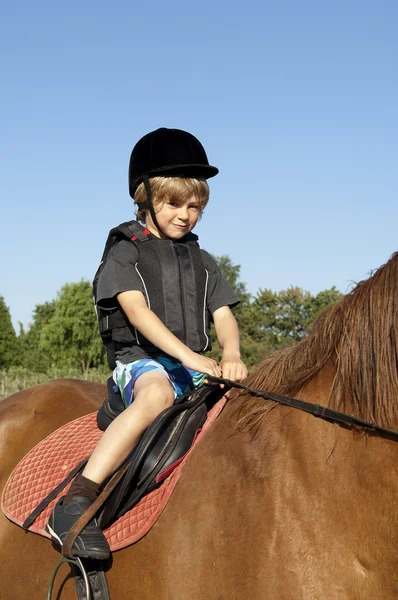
x=167, y=439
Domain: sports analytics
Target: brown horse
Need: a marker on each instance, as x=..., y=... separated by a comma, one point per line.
x=273, y=503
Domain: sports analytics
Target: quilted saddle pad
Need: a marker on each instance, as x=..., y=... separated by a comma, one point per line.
x=48, y=463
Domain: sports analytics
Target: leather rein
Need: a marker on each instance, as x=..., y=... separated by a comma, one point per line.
x=322, y=412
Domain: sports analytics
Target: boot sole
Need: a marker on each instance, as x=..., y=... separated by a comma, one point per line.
x=96, y=554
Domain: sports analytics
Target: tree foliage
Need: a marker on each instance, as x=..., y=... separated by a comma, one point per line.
x=34, y=357
x=10, y=352
x=271, y=320
x=284, y=318
x=70, y=336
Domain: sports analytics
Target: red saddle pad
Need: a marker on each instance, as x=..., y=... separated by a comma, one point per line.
x=48, y=463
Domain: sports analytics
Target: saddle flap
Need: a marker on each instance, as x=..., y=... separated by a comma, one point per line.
x=168, y=439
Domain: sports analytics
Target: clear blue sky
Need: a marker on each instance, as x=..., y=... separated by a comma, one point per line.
x=295, y=102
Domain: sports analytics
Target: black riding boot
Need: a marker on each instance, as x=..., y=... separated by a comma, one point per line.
x=91, y=542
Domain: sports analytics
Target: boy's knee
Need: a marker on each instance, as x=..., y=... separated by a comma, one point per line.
x=154, y=396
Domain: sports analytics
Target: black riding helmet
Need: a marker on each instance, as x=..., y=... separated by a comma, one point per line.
x=168, y=152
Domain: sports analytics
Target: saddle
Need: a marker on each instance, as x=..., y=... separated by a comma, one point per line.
x=161, y=448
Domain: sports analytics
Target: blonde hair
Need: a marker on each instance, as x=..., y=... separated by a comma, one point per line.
x=176, y=189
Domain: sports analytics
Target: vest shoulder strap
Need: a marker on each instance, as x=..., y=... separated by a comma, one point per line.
x=129, y=230
x=134, y=232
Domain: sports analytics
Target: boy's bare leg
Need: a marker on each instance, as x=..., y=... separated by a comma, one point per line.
x=152, y=394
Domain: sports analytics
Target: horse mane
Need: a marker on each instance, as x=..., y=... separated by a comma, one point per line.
x=359, y=334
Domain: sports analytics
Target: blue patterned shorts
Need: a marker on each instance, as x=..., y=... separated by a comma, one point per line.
x=182, y=380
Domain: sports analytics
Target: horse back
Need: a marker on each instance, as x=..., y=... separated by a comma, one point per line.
x=27, y=417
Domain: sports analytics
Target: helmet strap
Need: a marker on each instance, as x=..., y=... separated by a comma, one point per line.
x=149, y=203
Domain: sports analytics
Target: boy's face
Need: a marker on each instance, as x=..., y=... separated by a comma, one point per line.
x=175, y=219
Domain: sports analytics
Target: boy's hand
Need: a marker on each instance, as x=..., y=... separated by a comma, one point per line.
x=200, y=363
x=233, y=368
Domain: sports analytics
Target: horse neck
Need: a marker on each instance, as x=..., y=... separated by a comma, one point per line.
x=327, y=452
x=375, y=406
x=319, y=389
x=321, y=483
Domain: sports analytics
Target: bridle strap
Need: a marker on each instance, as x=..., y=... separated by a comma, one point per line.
x=317, y=410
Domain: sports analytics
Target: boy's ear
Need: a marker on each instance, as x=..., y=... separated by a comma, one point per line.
x=144, y=206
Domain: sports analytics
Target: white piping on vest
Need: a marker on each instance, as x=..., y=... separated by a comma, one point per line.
x=146, y=296
x=204, y=311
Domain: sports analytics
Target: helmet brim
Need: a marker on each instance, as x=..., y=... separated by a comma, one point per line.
x=206, y=171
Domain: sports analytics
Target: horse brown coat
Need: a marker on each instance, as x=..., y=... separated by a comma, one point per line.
x=273, y=503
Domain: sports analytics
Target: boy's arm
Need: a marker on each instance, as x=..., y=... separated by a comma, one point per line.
x=142, y=318
x=228, y=335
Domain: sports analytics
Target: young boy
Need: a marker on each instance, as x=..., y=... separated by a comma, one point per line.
x=161, y=293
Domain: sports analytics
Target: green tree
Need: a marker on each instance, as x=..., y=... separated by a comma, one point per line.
x=36, y=358
x=278, y=318
x=71, y=337
x=321, y=301
x=293, y=314
x=10, y=351
x=284, y=318
x=231, y=273
x=252, y=351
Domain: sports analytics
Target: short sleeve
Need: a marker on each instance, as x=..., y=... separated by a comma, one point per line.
x=219, y=292
x=119, y=273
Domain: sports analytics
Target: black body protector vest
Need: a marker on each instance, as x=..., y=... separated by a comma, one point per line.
x=175, y=285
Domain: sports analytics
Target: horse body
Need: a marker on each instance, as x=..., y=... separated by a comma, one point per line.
x=273, y=503
x=239, y=525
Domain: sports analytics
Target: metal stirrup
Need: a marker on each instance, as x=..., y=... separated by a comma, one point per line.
x=74, y=561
